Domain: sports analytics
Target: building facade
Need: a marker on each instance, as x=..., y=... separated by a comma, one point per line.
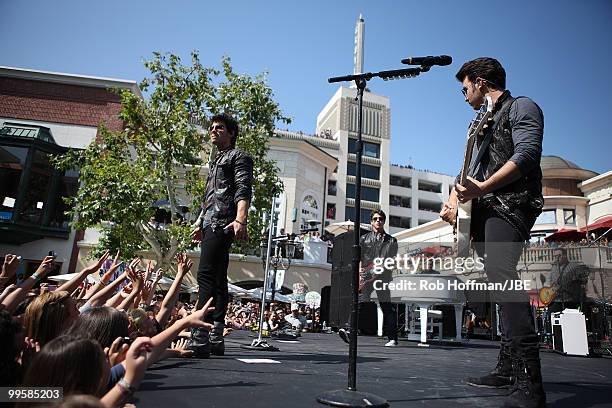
x=43, y=114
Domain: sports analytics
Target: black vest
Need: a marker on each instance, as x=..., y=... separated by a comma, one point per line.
x=521, y=201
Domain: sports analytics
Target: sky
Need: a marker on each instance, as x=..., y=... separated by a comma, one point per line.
x=558, y=52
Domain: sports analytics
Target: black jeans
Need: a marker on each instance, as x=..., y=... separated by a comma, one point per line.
x=212, y=271
x=501, y=246
x=388, y=310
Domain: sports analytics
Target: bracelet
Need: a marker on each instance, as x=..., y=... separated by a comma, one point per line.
x=36, y=277
x=241, y=223
x=126, y=387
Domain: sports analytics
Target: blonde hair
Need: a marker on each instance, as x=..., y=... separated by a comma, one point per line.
x=47, y=316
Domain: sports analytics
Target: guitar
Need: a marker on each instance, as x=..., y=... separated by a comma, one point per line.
x=547, y=294
x=367, y=276
x=464, y=210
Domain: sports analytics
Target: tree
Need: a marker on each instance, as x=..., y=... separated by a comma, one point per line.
x=157, y=159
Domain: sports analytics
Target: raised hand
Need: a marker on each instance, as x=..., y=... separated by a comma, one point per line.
x=45, y=267
x=136, y=360
x=98, y=264
x=10, y=265
x=184, y=264
x=116, y=352
x=181, y=346
x=196, y=319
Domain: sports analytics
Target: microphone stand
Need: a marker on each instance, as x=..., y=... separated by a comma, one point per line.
x=350, y=397
x=259, y=343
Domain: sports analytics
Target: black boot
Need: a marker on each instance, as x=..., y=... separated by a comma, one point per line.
x=217, y=344
x=528, y=391
x=199, y=343
x=500, y=376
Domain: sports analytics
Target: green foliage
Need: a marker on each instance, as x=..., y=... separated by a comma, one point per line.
x=157, y=157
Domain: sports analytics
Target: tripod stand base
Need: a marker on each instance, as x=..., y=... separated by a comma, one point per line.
x=348, y=398
x=261, y=345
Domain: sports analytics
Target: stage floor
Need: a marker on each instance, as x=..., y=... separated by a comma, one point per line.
x=406, y=376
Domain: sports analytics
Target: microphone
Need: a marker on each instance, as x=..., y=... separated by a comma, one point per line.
x=429, y=61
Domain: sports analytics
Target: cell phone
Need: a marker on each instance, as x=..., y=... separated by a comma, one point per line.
x=53, y=254
x=125, y=340
x=51, y=288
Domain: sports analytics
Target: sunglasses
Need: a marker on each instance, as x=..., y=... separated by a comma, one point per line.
x=381, y=219
x=216, y=127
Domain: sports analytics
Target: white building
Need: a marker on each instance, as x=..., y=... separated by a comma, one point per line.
x=409, y=197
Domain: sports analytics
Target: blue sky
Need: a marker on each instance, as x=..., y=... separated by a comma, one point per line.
x=556, y=52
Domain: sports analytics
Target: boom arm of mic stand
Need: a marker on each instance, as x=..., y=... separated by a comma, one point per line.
x=386, y=75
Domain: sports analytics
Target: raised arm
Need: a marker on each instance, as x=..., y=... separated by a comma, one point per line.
x=13, y=299
x=9, y=269
x=183, y=266
x=73, y=283
x=105, y=293
x=104, y=279
x=196, y=319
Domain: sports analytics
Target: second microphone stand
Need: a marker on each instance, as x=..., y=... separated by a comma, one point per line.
x=350, y=397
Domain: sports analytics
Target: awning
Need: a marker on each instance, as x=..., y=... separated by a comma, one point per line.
x=565, y=235
x=602, y=222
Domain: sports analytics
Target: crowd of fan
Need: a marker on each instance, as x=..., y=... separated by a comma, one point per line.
x=95, y=341
x=584, y=242
x=279, y=318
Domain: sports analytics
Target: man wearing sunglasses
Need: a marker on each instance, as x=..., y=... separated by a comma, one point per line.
x=228, y=194
x=377, y=244
x=505, y=186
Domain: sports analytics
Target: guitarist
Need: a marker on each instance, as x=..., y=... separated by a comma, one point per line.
x=505, y=187
x=377, y=244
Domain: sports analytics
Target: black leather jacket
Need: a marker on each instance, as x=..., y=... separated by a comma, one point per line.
x=375, y=245
x=229, y=181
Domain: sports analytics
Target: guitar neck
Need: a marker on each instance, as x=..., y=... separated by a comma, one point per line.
x=467, y=158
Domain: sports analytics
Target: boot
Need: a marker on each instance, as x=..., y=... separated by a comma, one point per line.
x=199, y=343
x=217, y=344
x=500, y=376
x=528, y=391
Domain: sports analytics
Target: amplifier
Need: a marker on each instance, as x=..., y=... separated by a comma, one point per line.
x=569, y=333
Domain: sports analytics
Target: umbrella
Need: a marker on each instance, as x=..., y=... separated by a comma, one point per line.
x=165, y=283
x=68, y=276
x=338, y=228
x=232, y=289
x=278, y=297
x=602, y=222
x=565, y=235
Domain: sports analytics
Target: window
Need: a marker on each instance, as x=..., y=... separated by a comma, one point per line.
x=350, y=214
x=39, y=182
x=371, y=172
x=369, y=149
x=12, y=163
x=569, y=216
x=400, y=181
x=310, y=211
x=430, y=186
x=331, y=211
x=367, y=193
x=332, y=188
x=399, y=222
x=31, y=189
x=547, y=217
x=429, y=206
x=399, y=201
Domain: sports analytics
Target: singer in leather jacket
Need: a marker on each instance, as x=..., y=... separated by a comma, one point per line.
x=228, y=196
x=229, y=181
